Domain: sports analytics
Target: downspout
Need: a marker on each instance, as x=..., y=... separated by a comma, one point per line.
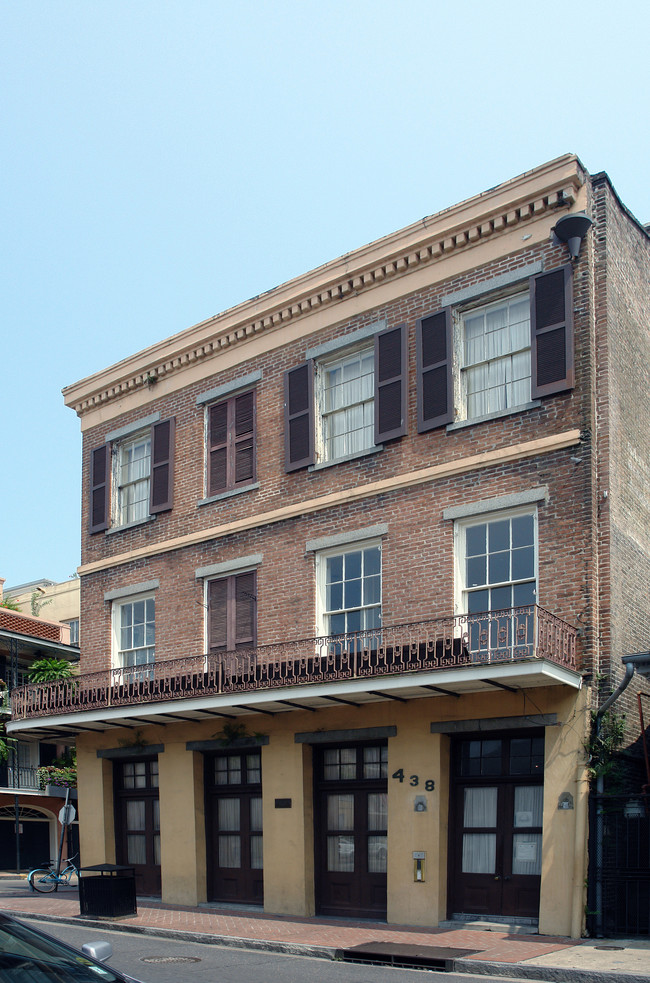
x=630, y=662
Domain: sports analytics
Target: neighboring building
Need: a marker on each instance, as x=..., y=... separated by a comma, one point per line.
x=29, y=806
x=353, y=554
x=51, y=600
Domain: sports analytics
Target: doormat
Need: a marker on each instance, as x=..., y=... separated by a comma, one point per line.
x=401, y=954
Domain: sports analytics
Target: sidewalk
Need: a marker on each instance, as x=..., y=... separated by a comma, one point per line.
x=490, y=953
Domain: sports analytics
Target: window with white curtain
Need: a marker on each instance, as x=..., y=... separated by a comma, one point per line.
x=345, y=387
x=132, y=463
x=495, y=356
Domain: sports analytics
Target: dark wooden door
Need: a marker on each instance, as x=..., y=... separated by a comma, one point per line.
x=351, y=811
x=233, y=785
x=137, y=823
x=496, y=828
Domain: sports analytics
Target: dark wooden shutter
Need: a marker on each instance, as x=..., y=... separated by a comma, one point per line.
x=161, y=485
x=244, y=438
x=551, y=332
x=99, y=462
x=391, y=378
x=245, y=609
x=434, y=350
x=217, y=448
x=217, y=615
x=232, y=612
x=299, y=416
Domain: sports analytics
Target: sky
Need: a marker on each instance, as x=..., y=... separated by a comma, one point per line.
x=163, y=160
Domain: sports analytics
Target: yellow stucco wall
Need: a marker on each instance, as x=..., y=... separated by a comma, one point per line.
x=288, y=832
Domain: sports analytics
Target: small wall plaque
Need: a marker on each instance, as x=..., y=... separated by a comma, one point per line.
x=283, y=803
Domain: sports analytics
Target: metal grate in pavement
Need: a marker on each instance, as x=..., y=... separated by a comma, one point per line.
x=405, y=956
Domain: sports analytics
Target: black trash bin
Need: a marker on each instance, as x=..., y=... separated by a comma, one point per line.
x=107, y=891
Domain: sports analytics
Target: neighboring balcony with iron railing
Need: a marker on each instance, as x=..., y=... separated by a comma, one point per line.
x=23, y=778
x=517, y=637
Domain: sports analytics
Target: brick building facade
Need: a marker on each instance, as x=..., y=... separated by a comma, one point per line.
x=353, y=553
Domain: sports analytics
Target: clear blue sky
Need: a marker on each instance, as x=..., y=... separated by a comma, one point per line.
x=162, y=160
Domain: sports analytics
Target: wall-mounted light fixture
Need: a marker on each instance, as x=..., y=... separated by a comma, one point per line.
x=572, y=229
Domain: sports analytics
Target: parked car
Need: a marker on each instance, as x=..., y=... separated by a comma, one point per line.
x=30, y=956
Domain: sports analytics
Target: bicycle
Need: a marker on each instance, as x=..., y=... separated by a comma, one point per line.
x=45, y=879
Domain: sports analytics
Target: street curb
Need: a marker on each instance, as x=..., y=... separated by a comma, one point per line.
x=181, y=935
x=550, y=974
x=553, y=974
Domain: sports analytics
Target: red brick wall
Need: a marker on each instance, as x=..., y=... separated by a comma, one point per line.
x=623, y=368
x=418, y=550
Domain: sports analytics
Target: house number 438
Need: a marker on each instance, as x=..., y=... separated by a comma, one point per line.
x=414, y=780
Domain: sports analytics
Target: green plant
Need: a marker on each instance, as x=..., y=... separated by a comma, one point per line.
x=232, y=733
x=607, y=735
x=37, y=601
x=65, y=777
x=50, y=670
x=135, y=740
x=6, y=743
x=10, y=603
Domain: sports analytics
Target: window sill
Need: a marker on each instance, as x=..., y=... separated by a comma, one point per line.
x=130, y=525
x=228, y=494
x=460, y=424
x=349, y=457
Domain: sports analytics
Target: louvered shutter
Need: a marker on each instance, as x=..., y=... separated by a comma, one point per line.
x=434, y=348
x=244, y=438
x=551, y=332
x=232, y=612
x=217, y=615
x=245, y=609
x=391, y=374
x=299, y=416
x=161, y=485
x=99, y=461
x=218, y=448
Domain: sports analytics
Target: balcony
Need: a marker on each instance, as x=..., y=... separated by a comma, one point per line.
x=448, y=656
x=25, y=778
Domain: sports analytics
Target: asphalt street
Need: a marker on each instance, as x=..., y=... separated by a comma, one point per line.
x=156, y=960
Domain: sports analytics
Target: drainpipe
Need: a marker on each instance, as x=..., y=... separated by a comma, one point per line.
x=641, y=662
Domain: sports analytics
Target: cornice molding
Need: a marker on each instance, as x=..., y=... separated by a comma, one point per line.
x=551, y=187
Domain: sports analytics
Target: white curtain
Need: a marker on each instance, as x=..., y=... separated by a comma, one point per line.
x=136, y=843
x=480, y=807
x=377, y=810
x=479, y=849
x=136, y=848
x=257, y=856
x=229, y=851
x=340, y=812
x=348, y=406
x=340, y=853
x=256, y=813
x=228, y=814
x=497, y=357
x=527, y=846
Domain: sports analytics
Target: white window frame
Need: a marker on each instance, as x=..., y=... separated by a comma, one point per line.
x=124, y=513
x=460, y=527
x=322, y=556
x=73, y=624
x=461, y=315
x=324, y=452
x=116, y=617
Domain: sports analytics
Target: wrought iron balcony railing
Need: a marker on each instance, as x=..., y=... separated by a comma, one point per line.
x=513, y=635
x=25, y=777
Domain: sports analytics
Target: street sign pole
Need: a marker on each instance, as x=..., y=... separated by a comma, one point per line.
x=66, y=816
